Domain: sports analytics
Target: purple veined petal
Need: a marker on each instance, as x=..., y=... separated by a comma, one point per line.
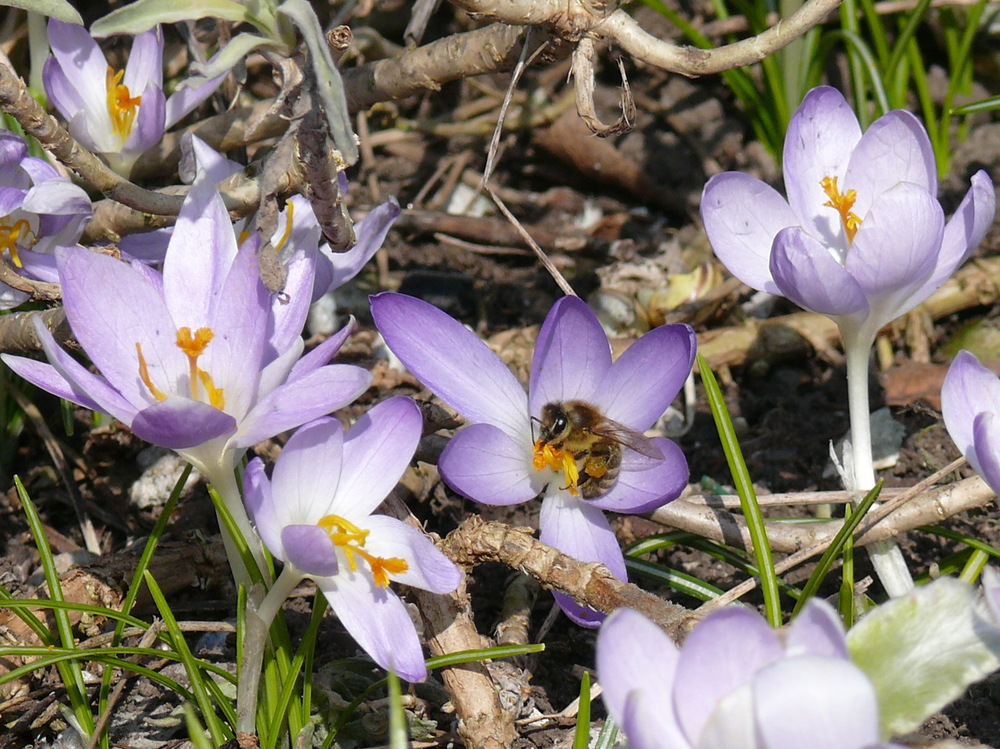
x=82, y=63
x=147, y=247
x=644, y=380
x=201, y=250
x=180, y=423
x=48, y=378
x=581, y=531
x=896, y=248
x=39, y=171
x=428, y=568
x=817, y=630
x=39, y=265
x=11, y=199
x=962, y=234
x=14, y=149
x=278, y=367
x=821, y=135
x=261, y=507
x=572, y=355
x=101, y=295
x=635, y=657
x=377, y=450
x=307, y=473
x=145, y=61
x=186, y=98
x=894, y=149
x=487, y=465
x=306, y=398
x=216, y=166
x=305, y=229
x=648, y=726
x=969, y=389
x=986, y=441
x=742, y=215
x=290, y=309
x=147, y=130
x=806, y=273
x=378, y=622
x=370, y=232
x=721, y=654
x=822, y=703
x=323, y=353
x=452, y=361
x=57, y=196
x=63, y=95
x=645, y=490
x=310, y=550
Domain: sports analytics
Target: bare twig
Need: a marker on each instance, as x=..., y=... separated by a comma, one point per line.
x=584, y=62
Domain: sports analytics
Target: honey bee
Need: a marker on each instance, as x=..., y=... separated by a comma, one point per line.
x=577, y=439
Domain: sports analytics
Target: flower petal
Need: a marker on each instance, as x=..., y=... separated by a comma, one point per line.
x=307, y=473
x=427, y=567
x=806, y=272
x=84, y=66
x=455, y=364
x=179, y=423
x=485, y=464
x=742, y=215
x=370, y=232
x=641, y=488
x=378, y=622
x=322, y=354
x=186, y=98
x=572, y=355
x=310, y=549
x=63, y=94
x=986, y=437
x=969, y=389
x=817, y=630
x=260, y=504
x=145, y=62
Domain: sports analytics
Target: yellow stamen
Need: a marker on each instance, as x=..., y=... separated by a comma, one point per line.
x=9, y=234
x=193, y=345
x=289, y=213
x=842, y=202
x=216, y=396
x=122, y=106
x=144, y=375
x=351, y=539
x=547, y=455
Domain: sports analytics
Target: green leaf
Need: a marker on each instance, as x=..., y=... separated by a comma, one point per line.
x=143, y=15
x=235, y=50
x=923, y=649
x=60, y=10
x=581, y=737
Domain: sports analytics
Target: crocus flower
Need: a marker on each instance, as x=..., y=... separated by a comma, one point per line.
x=118, y=114
x=500, y=459
x=735, y=684
x=315, y=515
x=40, y=210
x=970, y=404
x=199, y=359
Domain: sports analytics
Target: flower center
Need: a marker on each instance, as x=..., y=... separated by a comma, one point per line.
x=548, y=455
x=351, y=539
x=122, y=106
x=842, y=203
x=193, y=345
x=9, y=234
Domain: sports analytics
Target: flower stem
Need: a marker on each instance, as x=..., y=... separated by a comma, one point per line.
x=224, y=483
x=886, y=556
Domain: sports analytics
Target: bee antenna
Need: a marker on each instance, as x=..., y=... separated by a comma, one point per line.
x=533, y=420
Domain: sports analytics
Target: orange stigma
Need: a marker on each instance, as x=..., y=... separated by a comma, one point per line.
x=548, y=456
x=842, y=203
x=351, y=539
x=122, y=106
x=9, y=234
x=193, y=345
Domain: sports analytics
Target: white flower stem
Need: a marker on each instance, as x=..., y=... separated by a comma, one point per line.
x=886, y=556
x=223, y=481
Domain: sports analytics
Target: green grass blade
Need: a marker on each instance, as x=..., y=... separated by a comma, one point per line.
x=608, y=736
x=483, y=654
x=581, y=737
x=675, y=579
x=974, y=567
x=398, y=735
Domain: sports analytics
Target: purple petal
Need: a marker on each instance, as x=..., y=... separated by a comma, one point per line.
x=307, y=473
x=378, y=622
x=61, y=92
x=310, y=549
x=986, y=438
x=742, y=215
x=313, y=395
x=323, y=353
x=377, y=449
x=11, y=198
x=645, y=379
x=572, y=355
x=145, y=62
x=817, y=630
x=969, y=389
x=48, y=379
x=721, y=654
x=428, y=568
x=991, y=592
x=39, y=171
x=216, y=166
x=821, y=136
x=485, y=464
x=806, y=272
x=186, y=98
x=39, y=265
x=82, y=63
x=59, y=197
x=13, y=149
x=260, y=505
x=641, y=488
x=179, y=423
x=453, y=362
x=817, y=702
x=147, y=247
x=147, y=130
x=370, y=232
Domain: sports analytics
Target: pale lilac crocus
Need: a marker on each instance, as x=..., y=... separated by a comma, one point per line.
x=735, y=684
x=970, y=404
x=315, y=515
x=118, y=114
x=860, y=238
x=199, y=359
x=40, y=210
x=495, y=459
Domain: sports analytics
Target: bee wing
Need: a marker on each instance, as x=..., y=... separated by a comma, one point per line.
x=628, y=438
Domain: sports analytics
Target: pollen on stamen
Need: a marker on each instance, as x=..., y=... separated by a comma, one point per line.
x=9, y=235
x=842, y=202
x=122, y=106
x=144, y=376
x=351, y=539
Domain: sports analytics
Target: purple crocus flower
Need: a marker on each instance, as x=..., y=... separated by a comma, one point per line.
x=861, y=236
x=118, y=114
x=315, y=515
x=970, y=403
x=199, y=359
x=40, y=209
x=499, y=459
x=735, y=685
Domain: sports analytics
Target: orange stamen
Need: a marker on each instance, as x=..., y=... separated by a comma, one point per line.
x=546, y=455
x=144, y=375
x=290, y=212
x=9, y=234
x=842, y=202
x=351, y=539
x=122, y=106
